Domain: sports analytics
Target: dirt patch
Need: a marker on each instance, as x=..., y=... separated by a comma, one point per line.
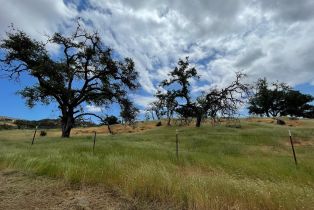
x=23, y=191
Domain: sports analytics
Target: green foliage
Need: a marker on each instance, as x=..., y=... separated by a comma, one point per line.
x=128, y=112
x=43, y=133
x=279, y=99
x=44, y=123
x=48, y=123
x=166, y=104
x=266, y=100
x=297, y=104
x=111, y=120
x=6, y=127
x=180, y=76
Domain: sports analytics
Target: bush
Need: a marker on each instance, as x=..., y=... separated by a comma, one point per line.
x=5, y=127
x=233, y=125
x=159, y=123
x=280, y=122
x=110, y=120
x=43, y=133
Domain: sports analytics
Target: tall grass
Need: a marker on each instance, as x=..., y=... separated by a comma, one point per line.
x=218, y=168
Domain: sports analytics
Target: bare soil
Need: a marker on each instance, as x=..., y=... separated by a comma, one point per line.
x=25, y=191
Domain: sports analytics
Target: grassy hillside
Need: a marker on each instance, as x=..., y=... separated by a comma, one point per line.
x=218, y=167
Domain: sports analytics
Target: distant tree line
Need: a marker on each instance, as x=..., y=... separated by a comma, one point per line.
x=175, y=99
x=49, y=123
x=56, y=123
x=45, y=123
x=279, y=99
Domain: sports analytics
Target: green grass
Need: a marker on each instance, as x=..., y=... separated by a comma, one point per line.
x=218, y=168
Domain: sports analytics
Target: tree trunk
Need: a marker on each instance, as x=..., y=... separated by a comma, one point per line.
x=67, y=123
x=169, y=120
x=170, y=115
x=109, y=129
x=198, y=121
x=213, y=122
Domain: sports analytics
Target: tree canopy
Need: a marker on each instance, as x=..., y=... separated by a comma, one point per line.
x=177, y=98
x=225, y=101
x=278, y=99
x=85, y=72
x=179, y=89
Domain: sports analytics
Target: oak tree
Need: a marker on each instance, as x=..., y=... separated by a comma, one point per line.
x=279, y=99
x=179, y=88
x=85, y=71
x=225, y=101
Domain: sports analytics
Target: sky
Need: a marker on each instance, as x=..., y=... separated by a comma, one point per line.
x=262, y=38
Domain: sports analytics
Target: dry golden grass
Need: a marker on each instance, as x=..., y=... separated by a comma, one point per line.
x=289, y=122
x=103, y=130
x=116, y=129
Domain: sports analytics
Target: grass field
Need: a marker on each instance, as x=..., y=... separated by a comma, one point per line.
x=218, y=167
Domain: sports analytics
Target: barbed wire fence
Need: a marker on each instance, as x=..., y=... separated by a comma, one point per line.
x=290, y=142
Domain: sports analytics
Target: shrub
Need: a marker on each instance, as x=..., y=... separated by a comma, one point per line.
x=280, y=122
x=43, y=133
x=5, y=127
x=159, y=123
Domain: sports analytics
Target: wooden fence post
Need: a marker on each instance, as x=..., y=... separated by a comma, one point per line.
x=34, y=135
x=94, y=141
x=177, y=144
x=292, y=146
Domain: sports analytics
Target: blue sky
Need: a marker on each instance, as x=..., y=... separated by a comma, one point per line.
x=266, y=38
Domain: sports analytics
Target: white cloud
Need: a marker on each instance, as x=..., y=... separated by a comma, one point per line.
x=36, y=18
x=264, y=38
x=142, y=101
x=224, y=36
x=93, y=109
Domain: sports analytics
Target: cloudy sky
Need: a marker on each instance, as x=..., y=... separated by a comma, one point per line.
x=263, y=38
